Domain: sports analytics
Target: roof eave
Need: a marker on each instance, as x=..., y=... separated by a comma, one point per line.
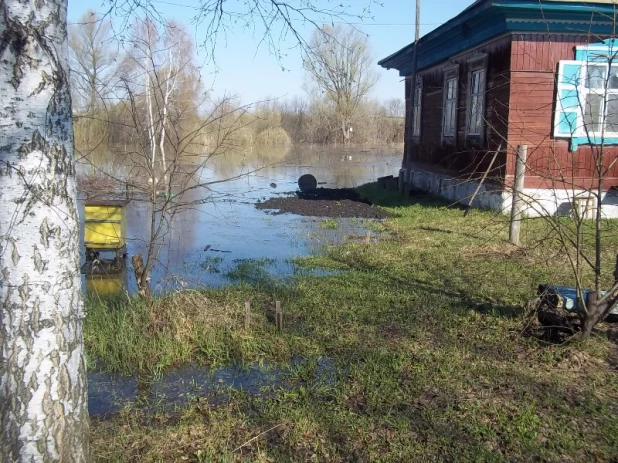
x=504, y=8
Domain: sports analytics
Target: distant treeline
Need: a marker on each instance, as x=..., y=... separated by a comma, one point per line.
x=145, y=92
x=273, y=122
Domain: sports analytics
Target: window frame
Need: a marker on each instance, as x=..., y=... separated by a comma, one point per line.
x=480, y=96
x=450, y=106
x=604, y=92
x=571, y=95
x=417, y=110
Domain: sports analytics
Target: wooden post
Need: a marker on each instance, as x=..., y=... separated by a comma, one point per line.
x=368, y=237
x=518, y=188
x=278, y=316
x=247, y=315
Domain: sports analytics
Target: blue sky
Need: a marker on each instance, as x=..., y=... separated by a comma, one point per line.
x=254, y=73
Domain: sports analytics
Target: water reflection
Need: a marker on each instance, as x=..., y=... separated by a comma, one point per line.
x=218, y=227
x=107, y=285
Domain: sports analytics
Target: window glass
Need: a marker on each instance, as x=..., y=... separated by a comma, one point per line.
x=611, y=113
x=476, y=102
x=613, y=78
x=601, y=99
x=596, y=76
x=450, y=108
x=416, y=122
x=592, y=112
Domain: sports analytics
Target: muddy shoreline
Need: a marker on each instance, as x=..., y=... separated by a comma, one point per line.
x=324, y=202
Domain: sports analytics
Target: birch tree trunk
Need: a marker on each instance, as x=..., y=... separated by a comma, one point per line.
x=43, y=392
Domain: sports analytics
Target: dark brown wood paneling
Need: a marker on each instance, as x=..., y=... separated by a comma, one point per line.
x=467, y=156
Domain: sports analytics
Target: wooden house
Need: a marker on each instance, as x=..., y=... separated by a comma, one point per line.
x=505, y=73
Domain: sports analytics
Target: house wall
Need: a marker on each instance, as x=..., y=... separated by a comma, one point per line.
x=519, y=109
x=534, y=60
x=465, y=155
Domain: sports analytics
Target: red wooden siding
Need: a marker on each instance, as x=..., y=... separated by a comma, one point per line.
x=534, y=59
x=519, y=107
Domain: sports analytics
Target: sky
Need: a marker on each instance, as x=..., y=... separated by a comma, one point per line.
x=248, y=69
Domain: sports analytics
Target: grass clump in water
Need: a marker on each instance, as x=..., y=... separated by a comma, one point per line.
x=329, y=224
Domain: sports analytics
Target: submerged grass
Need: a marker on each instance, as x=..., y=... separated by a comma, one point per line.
x=426, y=331
x=329, y=224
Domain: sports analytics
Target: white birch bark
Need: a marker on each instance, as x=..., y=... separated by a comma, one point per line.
x=170, y=87
x=43, y=393
x=148, y=62
x=151, y=129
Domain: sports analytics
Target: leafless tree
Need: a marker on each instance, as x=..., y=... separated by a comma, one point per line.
x=340, y=66
x=93, y=59
x=174, y=132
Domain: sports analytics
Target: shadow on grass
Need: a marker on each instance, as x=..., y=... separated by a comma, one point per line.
x=441, y=283
x=391, y=198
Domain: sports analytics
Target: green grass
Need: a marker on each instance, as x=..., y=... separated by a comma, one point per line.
x=425, y=329
x=329, y=224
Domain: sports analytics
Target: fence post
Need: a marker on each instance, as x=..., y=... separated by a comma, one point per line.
x=518, y=188
x=278, y=316
x=247, y=315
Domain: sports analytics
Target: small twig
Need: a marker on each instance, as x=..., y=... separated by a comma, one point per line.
x=478, y=187
x=256, y=437
x=530, y=311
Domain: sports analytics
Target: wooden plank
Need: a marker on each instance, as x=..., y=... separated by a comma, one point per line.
x=518, y=186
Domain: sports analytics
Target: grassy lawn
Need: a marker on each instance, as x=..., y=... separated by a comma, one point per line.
x=425, y=331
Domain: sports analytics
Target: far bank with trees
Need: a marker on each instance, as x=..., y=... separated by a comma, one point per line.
x=338, y=108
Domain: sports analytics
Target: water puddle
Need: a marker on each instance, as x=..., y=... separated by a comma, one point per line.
x=109, y=394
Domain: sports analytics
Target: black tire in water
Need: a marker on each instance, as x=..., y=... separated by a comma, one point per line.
x=307, y=182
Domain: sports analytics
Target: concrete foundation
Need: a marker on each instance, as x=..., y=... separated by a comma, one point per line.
x=538, y=202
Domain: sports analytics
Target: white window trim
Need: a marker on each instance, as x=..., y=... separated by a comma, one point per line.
x=481, y=99
x=450, y=75
x=582, y=92
x=477, y=56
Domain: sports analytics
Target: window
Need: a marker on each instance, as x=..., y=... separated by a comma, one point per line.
x=600, y=99
x=587, y=102
x=476, y=102
x=416, y=112
x=449, y=124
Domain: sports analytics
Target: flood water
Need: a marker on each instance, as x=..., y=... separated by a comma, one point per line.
x=178, y=387
x=221, y=237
